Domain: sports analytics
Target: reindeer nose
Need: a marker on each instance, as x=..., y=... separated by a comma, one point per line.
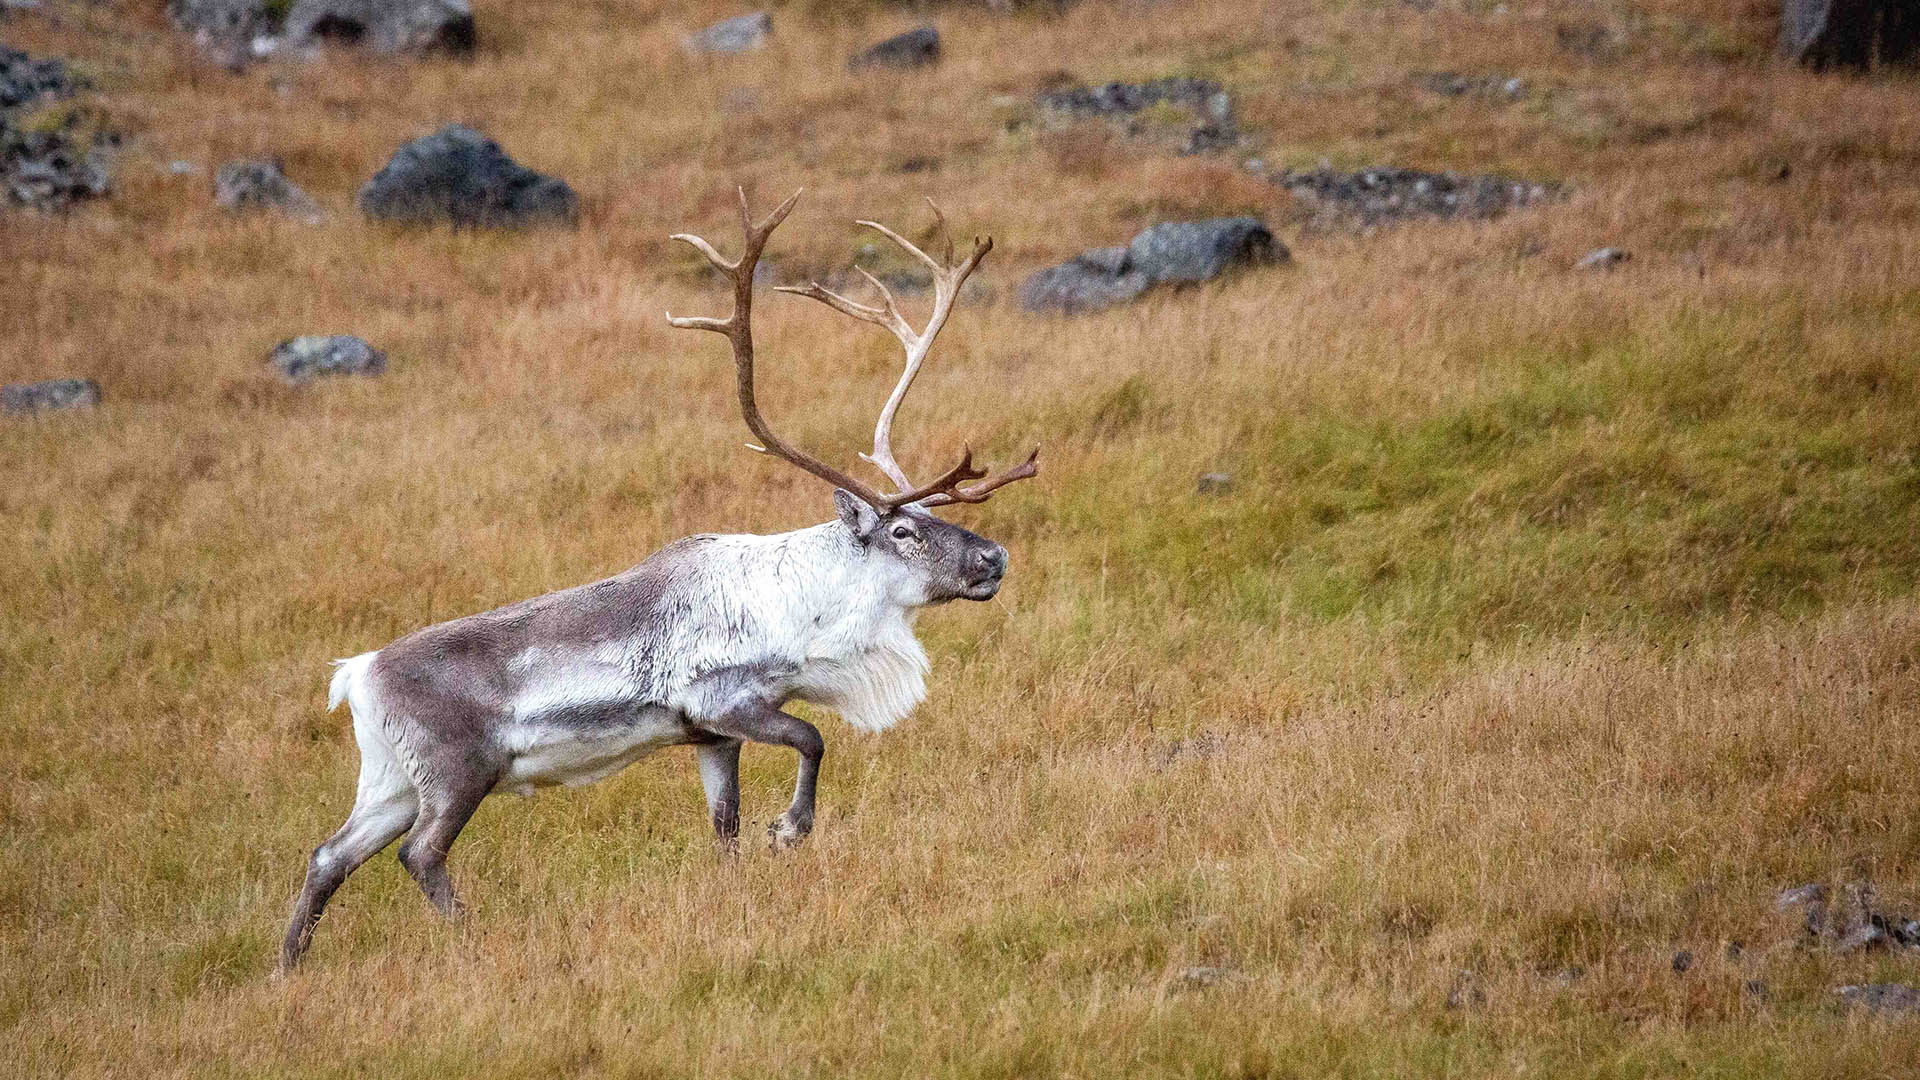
x=993, y=560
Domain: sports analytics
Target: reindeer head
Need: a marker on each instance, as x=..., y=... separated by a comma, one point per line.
x=927, y=560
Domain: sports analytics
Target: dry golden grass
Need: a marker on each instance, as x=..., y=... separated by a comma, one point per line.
x=1555, y=620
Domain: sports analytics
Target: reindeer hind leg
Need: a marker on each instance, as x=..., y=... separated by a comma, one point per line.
x=384, y=807
x=445, y=809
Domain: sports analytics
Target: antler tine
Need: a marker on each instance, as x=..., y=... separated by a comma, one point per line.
x=979, y=492
x=738, y=328
x=887, y=315
x=946, y=235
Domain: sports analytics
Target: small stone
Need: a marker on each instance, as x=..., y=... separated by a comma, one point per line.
x=1882, y=997
x=1202, y=747
x=1214, y=483
x=317, y=355
x=1605, y=258
x=915, y=48
x=1200, y=978
x=259, y=184
x=1682, y=962
x=729, y=37
x=182, y=168
x=19, y=399
x=1800, y=894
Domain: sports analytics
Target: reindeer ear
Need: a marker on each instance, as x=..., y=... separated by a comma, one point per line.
x=860, y=518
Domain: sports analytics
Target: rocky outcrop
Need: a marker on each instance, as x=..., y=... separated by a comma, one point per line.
x=915, y=48
x=315, y=356
x=1128, y=105
x=1174, y=253
x=728, y=37
x=1385, y=195
x=19, y=399
x=222, y=20
x=457, y=176
x=27, y=81
x=55, y=159
x=260, y=184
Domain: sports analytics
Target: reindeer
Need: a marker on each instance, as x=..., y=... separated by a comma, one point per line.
x=702, y=644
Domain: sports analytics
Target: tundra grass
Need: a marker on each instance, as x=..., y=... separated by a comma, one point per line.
x=1552, y=623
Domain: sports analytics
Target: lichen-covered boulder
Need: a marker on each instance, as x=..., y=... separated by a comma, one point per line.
x=19, y=399
x=259, y=184
x=315, y=356
x=48, y=166
x=386, y=26
x=1183, y=252
x=457, y=176
x=1090, y=281
x=1173, y=253
x=25, y=80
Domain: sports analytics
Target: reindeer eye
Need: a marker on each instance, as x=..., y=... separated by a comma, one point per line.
x=901, y=532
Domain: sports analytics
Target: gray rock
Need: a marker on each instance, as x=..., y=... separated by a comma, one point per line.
x=317, y=355
x=386, y=26
x=1682, y=962
x=728, y=37
x=1086, y=282
x=1384, y=195
x=1173, y=253
x=1850, y=33
x=1203, y=96
x=1205, y=746
x=1494, y=87
x=915, y=48
x=1214, y=483
x=1605, y=258
x=19, y=399
x=1800, y=894
x=1193, y=251
x=48, y=167
x=1882, y=997
x=460, y=177
x=1210, y=104
x=259, y=184
x=1200, y=978
x=25, y=80
x=1851, y=921
x=221, y=20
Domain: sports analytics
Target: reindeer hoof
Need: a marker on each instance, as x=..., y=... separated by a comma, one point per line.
x=785, y=833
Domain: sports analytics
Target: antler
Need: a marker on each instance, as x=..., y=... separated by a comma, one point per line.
x=947, y=280
x=738, y=330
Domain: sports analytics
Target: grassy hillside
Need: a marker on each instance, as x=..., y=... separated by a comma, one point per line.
x=1554, y=622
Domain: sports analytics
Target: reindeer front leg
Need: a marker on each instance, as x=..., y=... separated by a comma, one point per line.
x=763, y=723
x=720, y=776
